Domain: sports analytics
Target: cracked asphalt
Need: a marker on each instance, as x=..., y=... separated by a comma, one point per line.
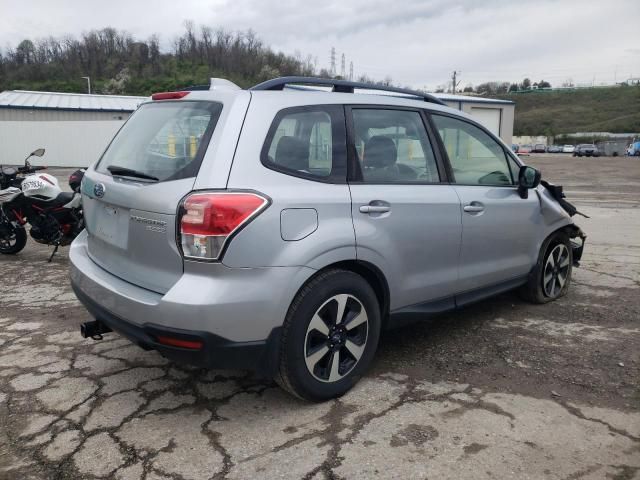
x=501, y=389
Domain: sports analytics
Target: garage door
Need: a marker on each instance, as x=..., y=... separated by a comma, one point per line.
x=488, y=117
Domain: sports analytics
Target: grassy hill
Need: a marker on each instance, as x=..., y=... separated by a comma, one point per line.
x=605, y=109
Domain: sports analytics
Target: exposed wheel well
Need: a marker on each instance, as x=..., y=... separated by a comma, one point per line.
x=572, y=231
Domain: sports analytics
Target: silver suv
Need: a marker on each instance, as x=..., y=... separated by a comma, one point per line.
x=283, y=227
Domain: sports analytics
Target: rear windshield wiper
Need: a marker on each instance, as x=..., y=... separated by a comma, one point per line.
x=128, y=172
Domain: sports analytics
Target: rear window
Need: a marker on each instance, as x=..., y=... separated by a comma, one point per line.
x=165, y=140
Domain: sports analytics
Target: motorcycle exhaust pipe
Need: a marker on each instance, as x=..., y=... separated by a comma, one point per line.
x=94, y=329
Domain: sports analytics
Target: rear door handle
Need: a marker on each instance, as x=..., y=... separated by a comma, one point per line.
x=474, y=207
x=374, y=209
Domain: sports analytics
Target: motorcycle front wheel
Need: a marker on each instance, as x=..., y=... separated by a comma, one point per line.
x=12, y=239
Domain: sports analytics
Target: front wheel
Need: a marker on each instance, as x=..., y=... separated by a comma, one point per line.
x=329, y=336
x=12, y=239
x=551, y=276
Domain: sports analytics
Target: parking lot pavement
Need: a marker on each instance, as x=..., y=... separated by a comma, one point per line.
x=501, y=389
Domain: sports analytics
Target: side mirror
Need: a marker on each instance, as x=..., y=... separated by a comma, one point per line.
x=36, y=153
x=528, y=177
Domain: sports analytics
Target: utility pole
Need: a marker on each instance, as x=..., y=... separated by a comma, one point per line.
x=343, y=72
x=454, y=84
x=332, y=71
x=88, y=79
x=351, y=71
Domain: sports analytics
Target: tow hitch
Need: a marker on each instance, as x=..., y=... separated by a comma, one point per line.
x=94, y=329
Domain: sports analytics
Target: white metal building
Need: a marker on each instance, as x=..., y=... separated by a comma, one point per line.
x=496, y=115
x=74, y=128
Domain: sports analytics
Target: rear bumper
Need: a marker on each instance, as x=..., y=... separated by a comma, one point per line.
x=216, y=351
x=235, y=312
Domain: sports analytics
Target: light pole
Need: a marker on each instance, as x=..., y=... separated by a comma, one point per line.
x=88, y=83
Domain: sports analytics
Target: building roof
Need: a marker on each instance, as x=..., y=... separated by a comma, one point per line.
x=68, y=101
x=448, y=97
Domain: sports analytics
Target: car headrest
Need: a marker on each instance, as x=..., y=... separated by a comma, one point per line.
x=293, y=153
x=379, y=152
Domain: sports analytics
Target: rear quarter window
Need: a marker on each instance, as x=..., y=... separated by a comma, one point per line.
x=166, y=139
x=308, y=142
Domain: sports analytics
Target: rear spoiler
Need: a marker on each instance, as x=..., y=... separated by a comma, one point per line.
x=557, y=193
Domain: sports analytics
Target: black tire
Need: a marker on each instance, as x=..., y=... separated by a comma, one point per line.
x=15, y=243
x=293, y=375
x=535, y=289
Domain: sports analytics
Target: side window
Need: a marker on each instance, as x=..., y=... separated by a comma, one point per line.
x=475, y=157
x=307, y=142
x=392, y=146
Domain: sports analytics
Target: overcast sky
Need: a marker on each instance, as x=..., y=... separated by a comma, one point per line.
x=416, y=43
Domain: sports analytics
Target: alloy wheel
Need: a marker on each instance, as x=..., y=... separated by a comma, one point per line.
x=556, y=270
x=336, y=338
x=8, y=242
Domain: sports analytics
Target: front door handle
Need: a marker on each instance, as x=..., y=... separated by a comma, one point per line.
x=474, y=207
x=374, y=209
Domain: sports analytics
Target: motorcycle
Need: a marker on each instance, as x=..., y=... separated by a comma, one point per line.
x=36, y=198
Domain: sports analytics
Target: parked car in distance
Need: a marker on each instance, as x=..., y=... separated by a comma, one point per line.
x=539, y=148
x=524, y=149
x=282, y=230
x=587, y=150
x=554, y=149
x=514, y=148
x=568, y=149
x=633, y=150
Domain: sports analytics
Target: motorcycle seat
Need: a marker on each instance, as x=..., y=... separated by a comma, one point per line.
x=64, y=198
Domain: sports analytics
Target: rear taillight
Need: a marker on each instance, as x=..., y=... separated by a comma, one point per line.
x=168, y=95
x=209, y=220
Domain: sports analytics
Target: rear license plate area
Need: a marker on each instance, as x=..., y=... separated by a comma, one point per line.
x=111, y=225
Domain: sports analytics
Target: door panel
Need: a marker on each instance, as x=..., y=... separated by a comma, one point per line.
x=415, y=242
x=497, y=241
x=406, y=222
x=499, y=228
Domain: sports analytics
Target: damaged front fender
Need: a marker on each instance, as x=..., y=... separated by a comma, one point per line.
x=555, y=208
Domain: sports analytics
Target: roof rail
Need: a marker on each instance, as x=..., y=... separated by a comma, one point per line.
x=343, y=86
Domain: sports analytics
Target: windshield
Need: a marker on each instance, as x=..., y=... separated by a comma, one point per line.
x=165, y=140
